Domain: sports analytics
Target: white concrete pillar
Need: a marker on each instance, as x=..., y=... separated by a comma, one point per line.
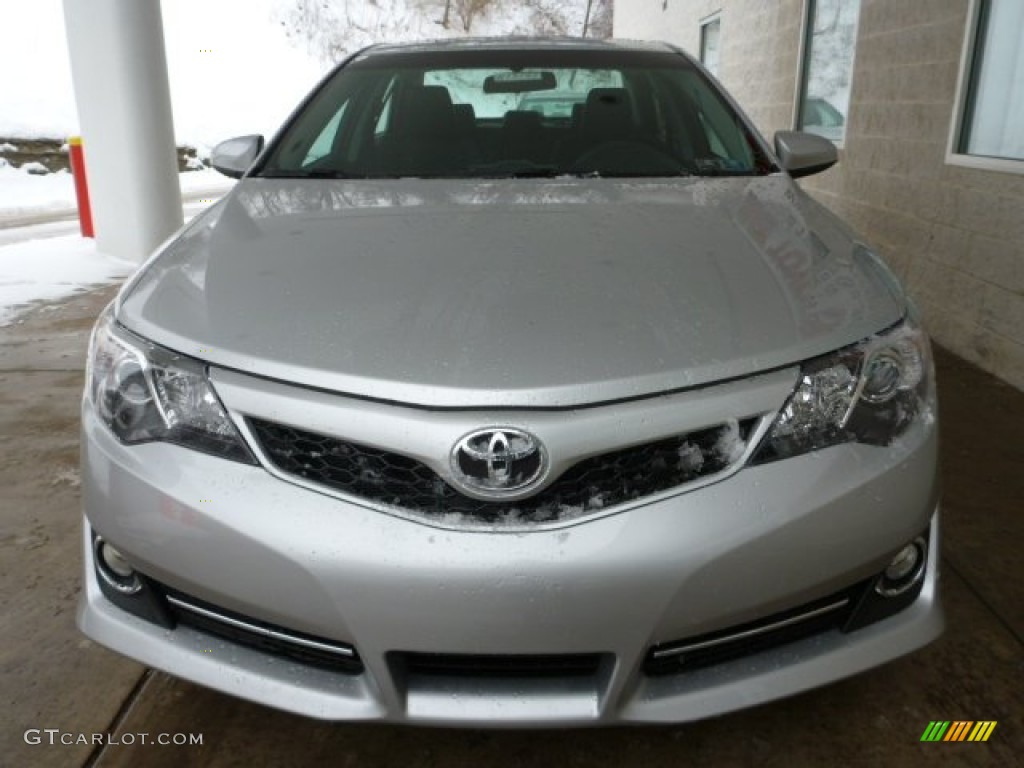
x=119, y=71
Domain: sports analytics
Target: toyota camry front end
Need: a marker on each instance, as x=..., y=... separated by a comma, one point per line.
x=458, y=412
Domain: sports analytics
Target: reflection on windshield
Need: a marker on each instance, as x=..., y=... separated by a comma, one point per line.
x=273, y=198
x=517, y=122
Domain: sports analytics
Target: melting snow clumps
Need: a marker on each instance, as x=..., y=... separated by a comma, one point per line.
x=691, y=458
x=730, y=445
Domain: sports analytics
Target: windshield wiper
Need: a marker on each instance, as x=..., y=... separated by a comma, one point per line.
x=632, y=174
x=720, y=172
x=514, y=169
x=309, y=174
x=526, y=173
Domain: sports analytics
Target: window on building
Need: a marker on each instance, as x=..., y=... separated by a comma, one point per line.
x=992, y=124
x=710, y=38
x=827, y=67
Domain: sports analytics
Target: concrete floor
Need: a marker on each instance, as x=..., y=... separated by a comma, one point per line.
x=52, y=677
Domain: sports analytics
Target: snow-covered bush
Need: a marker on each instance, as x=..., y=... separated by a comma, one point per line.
x=332, y=29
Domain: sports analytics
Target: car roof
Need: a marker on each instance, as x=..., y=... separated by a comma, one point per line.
x=518, y=44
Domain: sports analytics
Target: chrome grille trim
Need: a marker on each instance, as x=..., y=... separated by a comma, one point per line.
x=281, y=636
x=747, y=634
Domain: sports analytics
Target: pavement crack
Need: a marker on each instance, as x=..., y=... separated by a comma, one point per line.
x=948, y=563
x=119, y=717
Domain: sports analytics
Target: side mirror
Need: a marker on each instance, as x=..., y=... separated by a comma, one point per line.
x=803, y=154
x=235, y=156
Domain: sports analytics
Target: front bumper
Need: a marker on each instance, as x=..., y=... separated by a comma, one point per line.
x=765, y=540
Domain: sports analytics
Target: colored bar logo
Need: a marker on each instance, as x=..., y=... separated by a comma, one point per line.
x=958, y=730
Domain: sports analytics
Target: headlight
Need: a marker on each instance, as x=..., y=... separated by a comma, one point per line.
x=868, y=393
x=145, y=393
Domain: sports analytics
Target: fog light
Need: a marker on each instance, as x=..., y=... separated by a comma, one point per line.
x=114, y=569
x=905, y=569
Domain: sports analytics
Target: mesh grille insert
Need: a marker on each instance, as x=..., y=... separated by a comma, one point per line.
x=391, y=479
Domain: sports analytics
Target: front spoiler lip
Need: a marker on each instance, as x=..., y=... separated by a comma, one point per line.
x=325, y=695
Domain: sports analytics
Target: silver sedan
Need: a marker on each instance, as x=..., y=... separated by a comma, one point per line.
x=456, y=411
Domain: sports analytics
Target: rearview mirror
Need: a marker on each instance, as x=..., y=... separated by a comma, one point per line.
x=520, y=82
x=803, y=154
x=235, y=156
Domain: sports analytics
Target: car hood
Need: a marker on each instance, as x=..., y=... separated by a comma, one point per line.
x=511, y=293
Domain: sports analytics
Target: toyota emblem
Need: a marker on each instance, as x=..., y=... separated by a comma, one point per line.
x=498, y=462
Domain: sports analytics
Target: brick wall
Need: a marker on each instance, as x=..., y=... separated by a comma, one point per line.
x=954, y=234
x=760, y=46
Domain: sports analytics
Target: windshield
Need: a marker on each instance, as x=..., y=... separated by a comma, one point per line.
x=515, y=113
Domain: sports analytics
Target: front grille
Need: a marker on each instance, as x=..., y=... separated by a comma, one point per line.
x=830, y=613
x=491, y=666
x=596, y=483
x=268, y=638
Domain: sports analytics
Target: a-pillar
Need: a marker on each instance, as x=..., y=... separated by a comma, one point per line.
x=119, y=71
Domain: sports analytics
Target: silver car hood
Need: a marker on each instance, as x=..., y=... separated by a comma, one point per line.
x=546, y=293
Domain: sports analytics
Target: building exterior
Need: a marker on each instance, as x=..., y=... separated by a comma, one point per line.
x=925, y=100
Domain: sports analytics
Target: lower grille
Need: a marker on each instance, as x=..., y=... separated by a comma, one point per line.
x=268, y=638
x=830, y=613
x=490, y=666
x=593, y=484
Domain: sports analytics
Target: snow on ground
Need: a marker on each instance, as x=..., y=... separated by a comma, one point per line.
x=39, y=270
x=23, y=194
x=201, y=181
